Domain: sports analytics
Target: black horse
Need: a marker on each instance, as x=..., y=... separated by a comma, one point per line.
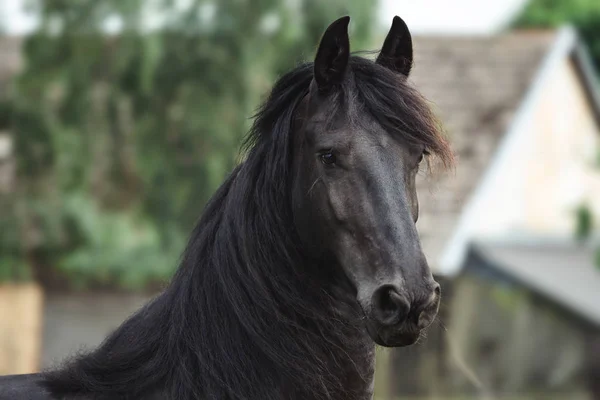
x=305, y=257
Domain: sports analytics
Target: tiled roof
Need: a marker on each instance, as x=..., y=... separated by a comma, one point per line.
x=476, y=85
x=562, y=271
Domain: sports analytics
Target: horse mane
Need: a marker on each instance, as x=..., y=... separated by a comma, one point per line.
x=248, y=310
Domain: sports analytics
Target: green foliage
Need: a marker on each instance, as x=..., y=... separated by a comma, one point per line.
x=583, y=14
x=120, y=245
x=507, y=298
x=120, y=140
x=584, y=227
x=584, y=222
x=13, y=265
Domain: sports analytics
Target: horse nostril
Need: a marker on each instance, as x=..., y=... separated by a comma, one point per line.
x=389, y=301
x=437, y=290
x=389, y=306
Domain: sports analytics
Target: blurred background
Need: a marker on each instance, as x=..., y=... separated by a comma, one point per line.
x=119, y=119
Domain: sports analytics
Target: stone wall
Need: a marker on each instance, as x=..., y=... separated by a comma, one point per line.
x=75, y=322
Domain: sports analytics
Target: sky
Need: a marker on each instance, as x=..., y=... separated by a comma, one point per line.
x=451, y=16
x=421, y=16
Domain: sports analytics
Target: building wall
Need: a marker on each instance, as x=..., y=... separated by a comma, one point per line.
x=494, y=340
x=549, y=169
x=75, y=322
x=560, y=174
x=512, y=341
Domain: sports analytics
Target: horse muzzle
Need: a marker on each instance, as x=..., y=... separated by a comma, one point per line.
x=394, y=321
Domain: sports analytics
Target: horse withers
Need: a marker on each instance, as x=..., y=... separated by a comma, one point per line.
x=305, y=257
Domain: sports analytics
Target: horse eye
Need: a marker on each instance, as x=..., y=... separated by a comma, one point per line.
x=327, y=158
x=422, y=156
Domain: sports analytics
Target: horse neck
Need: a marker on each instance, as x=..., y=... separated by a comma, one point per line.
x=304, y=342
x=273, y=312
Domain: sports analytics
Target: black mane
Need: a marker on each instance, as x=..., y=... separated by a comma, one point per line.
x=249, y=313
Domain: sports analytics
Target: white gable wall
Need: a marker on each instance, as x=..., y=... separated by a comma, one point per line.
x=560, y=172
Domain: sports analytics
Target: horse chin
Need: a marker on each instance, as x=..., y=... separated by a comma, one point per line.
x=395, y=336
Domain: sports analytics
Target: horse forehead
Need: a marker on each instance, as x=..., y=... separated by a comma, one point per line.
x=375, y=139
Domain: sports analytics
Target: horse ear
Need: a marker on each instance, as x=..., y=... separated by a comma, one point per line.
x=332, y=56
x=397, y=52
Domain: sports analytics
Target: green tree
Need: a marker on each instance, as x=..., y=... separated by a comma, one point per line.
x=120, y=139
x=583, y=14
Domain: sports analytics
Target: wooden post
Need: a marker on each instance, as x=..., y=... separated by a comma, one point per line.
x=593, y=363
x=21, y=313
x=383, y=379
